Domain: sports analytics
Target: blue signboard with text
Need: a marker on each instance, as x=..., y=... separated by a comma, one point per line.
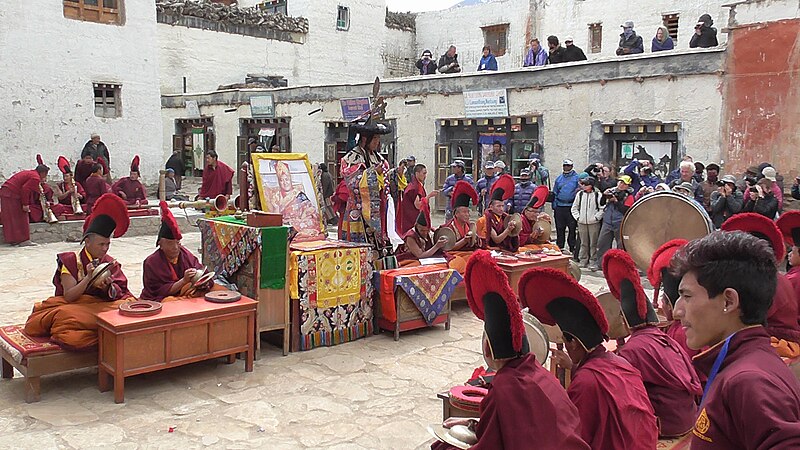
x=353, y=108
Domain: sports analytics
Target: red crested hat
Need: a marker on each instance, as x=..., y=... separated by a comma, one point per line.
x=555, y=298
x=760, y=227
x=63, y=165
x=169, y=226
x=424, y=216
x=789, y=224
x=503, y=188
x=492, y=300
x=39, y=159
x=109, y=215
x=135, y=164
x=462, y=194
x=625, y=285
x=658, y=272
x=539, y=197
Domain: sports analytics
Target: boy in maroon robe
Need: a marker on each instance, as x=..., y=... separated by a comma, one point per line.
x=16, y=198
x=782, y=317
x=497, y=234
x=69, y=317
x=129, y=188
x=607, y=390
x=68, y=186
x=526, y=407
x=96, y=186
x=789, y=224
x=669, y=378
x=168, y=272
x=412, y=196
x=751, y=399
x=84, y=168
x=217, y=177
x=662, y=279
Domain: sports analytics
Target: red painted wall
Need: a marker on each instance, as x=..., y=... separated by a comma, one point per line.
x=761, y=121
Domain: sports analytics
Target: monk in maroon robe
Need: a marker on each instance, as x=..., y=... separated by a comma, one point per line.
x=789, y=224
x=95, y=186
x=339, y=200
x=129, y=188
x=37, y=213
x=169, y=271
x=70, y=316
x=669, y=378
x=16, y=198
x=607, y=390
x=751, y=399
x=497, y=234
x=412, y=196
x=217, y=177
x=467, y=239
x=525, y=408
x=84, y=169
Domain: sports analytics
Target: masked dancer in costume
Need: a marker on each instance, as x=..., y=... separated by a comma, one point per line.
x=130, y=188
x=526, y=407
x=69, y=317
x=607, y=390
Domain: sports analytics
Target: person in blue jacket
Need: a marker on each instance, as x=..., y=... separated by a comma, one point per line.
x=565, y=188
x=488, y=61
x=458, y=174
x=522, y=191
x=484, y=185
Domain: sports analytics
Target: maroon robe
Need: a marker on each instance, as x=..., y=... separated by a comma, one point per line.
x=407, y=213
x=782, y=317
x=135, y=191
x=339, y=201
x=612, y=402
x=160, y=274
x=526, y=232
x=678, y=334
x=493, y=222
x=793, y=275
x=118, y=288
x=526, y=408
x=669, y=378
x=15, y=193
x=424, y=242
x=83, y=170
x=753, y=403
x=217, y=181
x=95, y=187
x=460, y=232
x=67, y=200
x=37, y=213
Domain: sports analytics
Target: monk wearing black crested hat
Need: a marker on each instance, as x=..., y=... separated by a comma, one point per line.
x=663, y=280
x=466, y=239
x=525, y=408
x=607, y=390
x=669, y=378
x=498, y=235
x=70, y=316
x=130, y=188
x=169, y=272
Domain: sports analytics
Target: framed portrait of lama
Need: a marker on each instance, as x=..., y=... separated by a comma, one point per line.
x=285, y=184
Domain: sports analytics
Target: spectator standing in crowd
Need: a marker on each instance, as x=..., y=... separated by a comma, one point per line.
x=175, y=162
x=522, y=191
x=649, y=179
x=629, y=42
x=771, y=174
x=484, y=185
x=676, y=173
x=499, y=168
x=458, y=174
x=726, y=201
x=710, y=184
x=565, y=188
x=397, y=181
x=687, y=176
x=97, y=149
x=411, y=162
x=796, y=188
x=760, y=199
x=748, y=179
x=556, y=54
x=488, y=61
x=705, y=35
x=632, y=170
x=588, y=212
x=497, y=153
x=615, y=202
x=699, y=168
x=328, y=188
x=425, y=64
x=662, y=41
x=572, y=52
x=540, y=176
x=536, y=55
x=448, y=63
x=605, y=179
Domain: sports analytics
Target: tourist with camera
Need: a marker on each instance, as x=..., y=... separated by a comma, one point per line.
x=726, y=200
x=617, y=201
x=760, y=199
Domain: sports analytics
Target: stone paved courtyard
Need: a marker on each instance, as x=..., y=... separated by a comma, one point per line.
x=374, y=393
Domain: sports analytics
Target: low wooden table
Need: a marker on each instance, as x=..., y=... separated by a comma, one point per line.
x=514, y=270
x=185, y=331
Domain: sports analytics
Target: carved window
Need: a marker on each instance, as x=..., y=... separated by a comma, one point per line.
x=496, y=37
x=107, y=101
x=101, y=11
x=343, y=18
x=596, y=37
x=274, y=6
x=671, y=22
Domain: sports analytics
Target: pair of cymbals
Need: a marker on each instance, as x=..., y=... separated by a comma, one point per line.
x=449, y=234
x=517, y=219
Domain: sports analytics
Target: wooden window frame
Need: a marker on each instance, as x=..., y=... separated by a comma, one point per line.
x=502, y=32
x=275, y=7
x=596, y=45
x=79, y=10
x=108, y=111
x=672, y=23
x=342, y=24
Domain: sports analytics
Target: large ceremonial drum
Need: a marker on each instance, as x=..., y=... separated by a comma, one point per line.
x=658, y=218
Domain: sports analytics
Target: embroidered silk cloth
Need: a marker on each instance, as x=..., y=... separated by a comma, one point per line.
x=14, y=337
x=428, y=287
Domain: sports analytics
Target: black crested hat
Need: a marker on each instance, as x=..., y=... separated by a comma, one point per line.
x=462, y=194
x=503, y=188
x=424, y=216
x=109, y=215
x=169, y=226
x=626, y=286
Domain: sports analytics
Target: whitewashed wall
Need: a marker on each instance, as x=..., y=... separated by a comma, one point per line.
x=47, y=66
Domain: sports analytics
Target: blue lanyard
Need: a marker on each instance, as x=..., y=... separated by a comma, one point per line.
x=715, y=368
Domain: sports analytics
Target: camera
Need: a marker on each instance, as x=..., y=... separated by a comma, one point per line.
x=751, y=181
x=753, y=190
x=720, y=183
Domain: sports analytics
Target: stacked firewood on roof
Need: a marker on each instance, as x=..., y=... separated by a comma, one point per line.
x=233, y=14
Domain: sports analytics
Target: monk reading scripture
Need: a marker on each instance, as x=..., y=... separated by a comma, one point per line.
x=497, y=234
x=418, y=243
x=751, y=399
x=16, y=197
x=217, y=177
x=607, y=390
x=96, y=186
x=525, y=408
x=129, y=188
x=68, y=187
x=467, y=240
x=69, y=317
x=660, y=276
x=169, y=271
x=669, y=378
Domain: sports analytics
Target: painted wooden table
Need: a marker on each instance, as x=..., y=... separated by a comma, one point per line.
x=185, y=331
x=515, y=269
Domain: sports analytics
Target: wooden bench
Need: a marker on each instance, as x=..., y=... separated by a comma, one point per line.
x=35, y=357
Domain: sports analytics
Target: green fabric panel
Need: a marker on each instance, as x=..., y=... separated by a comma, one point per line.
x=273, y=257
x=230, y=219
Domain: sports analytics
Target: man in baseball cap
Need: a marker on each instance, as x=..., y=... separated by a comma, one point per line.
x=457, y=166
x=484, y=184
x=629, y=42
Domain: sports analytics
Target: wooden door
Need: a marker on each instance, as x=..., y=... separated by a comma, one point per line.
x=442, y=172
x=242, y=151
